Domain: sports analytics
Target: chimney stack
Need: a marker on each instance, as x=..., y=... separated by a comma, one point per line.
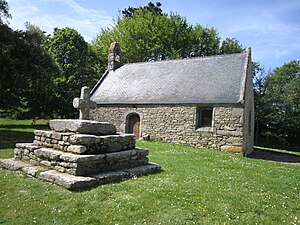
x=114, y=56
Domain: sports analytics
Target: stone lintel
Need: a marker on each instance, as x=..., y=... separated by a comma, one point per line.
x=82, y=126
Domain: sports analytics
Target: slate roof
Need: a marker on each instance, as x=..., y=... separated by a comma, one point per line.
x=217, y=79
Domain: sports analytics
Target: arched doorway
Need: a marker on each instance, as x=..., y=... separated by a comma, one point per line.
x=133, y=125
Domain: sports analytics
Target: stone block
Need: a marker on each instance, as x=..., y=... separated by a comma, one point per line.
x=66, y=138
x=232, y=149
x=78, y=149
x=235, y=140
x=237, y=112
x=38, y=132
x=37, y=143
x=32, y=170
x=82, y=126
x=60, y=169
x=144, y=169
x=56, y=136
x=68, y=181
x=113, y=176
x=21, y=145
x=54, y=141
x=47, y=153
x=68, y=157
x=12, y=164
x=114, y=147
x=83, y=139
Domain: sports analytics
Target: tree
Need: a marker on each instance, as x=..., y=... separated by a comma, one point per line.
x=259, y=77
x=230, y=46
x=4, y=11
x=25, y=70
x=26, y=73
x=282, y=96
x=70, y=52
x=205, y=41
x=146, y=36
x=153, y=8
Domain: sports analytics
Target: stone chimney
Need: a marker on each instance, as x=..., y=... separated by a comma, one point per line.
x=114, y=56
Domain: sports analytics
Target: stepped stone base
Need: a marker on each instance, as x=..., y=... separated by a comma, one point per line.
x=80, y=165
x=80, y=154
x=76, y=183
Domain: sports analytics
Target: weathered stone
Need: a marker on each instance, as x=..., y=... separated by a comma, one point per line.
x=68, y=157
x=37, y=132
x=56, y=136
x=37, y=143
x=144, y=169
x=12, y=164
x=232, y=149
x=47, y=153
x=82, y=126
x=86, y=155
x=68, y=181
x=83, y=139
x=60, y=169
x=45, y=163
x=237, y=111
x=112, y=176
x=117, y=156
x=22, y=145
x=32, y=170
x=79, y=149
x=160, y=123
x=235, y=140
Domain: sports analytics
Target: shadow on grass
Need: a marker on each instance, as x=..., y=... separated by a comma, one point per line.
x=9, y=138
x=10, y=134
x=24, y=126
x=274, y=156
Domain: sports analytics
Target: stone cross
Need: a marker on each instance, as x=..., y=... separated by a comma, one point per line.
x=84, y=104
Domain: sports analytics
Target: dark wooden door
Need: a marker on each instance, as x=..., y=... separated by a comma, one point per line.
x=134, y=125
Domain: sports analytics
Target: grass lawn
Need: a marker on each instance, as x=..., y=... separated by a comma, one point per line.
x=196, y=186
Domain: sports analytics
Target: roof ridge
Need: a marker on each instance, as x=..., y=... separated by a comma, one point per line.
x=185, y=59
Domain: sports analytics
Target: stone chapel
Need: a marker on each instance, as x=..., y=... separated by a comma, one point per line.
x=206, y=102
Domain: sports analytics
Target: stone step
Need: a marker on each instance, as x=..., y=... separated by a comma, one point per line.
x=81, y=165
x=76, y=183
x=82, y=126
x=84, y=143
x=53, y=154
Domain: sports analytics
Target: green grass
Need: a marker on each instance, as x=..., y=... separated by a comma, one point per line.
x=196, y=186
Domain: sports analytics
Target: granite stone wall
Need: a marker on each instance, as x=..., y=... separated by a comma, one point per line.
x=177, y=124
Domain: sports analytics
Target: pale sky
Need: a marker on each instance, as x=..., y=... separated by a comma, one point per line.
x=270, y=27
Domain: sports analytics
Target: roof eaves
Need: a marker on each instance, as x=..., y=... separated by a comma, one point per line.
x=99, y=82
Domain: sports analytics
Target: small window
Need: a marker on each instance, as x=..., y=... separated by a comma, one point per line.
x=204, y=117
